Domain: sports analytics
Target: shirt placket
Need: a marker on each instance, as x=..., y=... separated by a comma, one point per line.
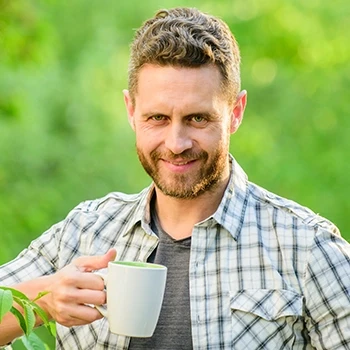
x=197, y=288
x=209, y=287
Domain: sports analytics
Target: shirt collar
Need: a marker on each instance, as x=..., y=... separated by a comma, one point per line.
x=230, y=213
x=142, y=213
x=231, y=210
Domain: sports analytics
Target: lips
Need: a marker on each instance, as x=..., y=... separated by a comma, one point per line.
x=179, y=163
x=178, y=166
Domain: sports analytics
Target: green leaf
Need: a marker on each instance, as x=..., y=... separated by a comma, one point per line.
x=33, y=342
x=29, y=317
x=16, y=293
x=41, y=313
x=20, y=319
x=20, y=301
x=40, y=295
x=6, y=302
x=27, y=320
x=52, y=328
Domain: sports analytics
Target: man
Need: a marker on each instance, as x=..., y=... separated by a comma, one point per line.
x=246, y=269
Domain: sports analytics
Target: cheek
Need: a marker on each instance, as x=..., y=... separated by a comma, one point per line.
x=216, y=138
x=148, y=140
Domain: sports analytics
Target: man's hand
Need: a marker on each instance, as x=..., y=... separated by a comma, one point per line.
x=73, y=287
x=70, y=289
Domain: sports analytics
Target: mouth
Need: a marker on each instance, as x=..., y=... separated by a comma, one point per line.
x=181, y=166
x=179, y=163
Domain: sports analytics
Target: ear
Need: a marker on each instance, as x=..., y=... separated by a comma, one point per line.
x=238, y=111
x=129, y=108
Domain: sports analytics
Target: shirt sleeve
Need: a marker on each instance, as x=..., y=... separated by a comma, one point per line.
x=327, y=292
x=39, y=259
x=55, y=248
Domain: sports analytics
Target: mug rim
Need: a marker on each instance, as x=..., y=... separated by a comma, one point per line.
x=137, y=264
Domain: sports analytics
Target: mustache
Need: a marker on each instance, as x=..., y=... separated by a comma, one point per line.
x=186, y=155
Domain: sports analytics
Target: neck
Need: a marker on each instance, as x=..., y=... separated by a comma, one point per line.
x=178, y=216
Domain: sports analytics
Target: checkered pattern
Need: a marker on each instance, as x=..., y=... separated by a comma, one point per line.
x=265, y=273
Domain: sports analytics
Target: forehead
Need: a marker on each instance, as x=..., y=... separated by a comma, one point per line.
x=175, y=86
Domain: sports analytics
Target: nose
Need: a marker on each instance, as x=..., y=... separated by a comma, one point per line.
x=178, y=139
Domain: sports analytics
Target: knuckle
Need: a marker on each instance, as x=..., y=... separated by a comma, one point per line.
x=63, y=296
x=101, y=298
x=61, y=318
x=100, y=284
x=68, y=279
x=60, y=311
x=97, y=282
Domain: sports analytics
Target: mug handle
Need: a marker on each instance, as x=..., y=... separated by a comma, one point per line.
x=101, y=309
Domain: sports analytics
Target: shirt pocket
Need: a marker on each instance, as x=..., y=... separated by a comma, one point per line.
x=269, y=304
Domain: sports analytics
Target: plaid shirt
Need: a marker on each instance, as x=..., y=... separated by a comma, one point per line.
x=265, y=273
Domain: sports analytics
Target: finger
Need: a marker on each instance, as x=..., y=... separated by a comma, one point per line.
x=87, y=280
x=86, y=313
x=71, y=277
x=90, y=263
x=79, y=315
x=111, y=255
x=92, y=297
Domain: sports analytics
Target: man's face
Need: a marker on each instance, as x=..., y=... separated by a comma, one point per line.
x=183, y=126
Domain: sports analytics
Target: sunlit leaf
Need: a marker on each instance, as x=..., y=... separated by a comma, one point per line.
x=16, y=293
x=41, y=313
x=20, y=319
x=6, y=302
x=33, y=342
x=40, y=295
x=52, y=328
x=20, y=301
x=29, y=318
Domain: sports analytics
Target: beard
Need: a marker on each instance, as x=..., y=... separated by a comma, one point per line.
x=185, y=186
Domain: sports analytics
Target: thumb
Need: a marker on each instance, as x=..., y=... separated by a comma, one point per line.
x=89, y=263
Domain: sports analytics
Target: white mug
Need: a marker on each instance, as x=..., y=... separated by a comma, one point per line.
x=135, y=292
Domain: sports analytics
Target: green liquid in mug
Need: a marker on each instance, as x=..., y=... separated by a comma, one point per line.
x=137, y=264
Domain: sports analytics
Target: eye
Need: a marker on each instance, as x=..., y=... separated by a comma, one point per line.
x=158, y=118
x=198, y=119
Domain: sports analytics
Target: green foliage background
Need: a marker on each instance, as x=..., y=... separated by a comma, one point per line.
x=64, y=135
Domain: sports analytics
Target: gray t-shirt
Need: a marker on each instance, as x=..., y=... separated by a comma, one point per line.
x=173, y=330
